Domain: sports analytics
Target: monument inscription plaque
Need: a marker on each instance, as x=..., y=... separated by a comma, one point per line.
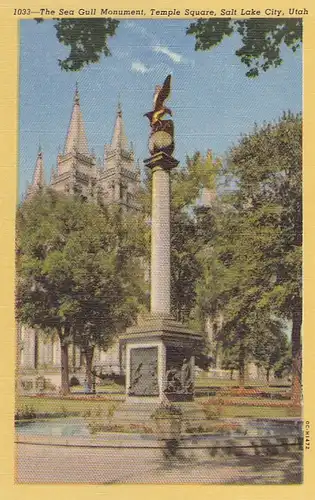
x=144, y=372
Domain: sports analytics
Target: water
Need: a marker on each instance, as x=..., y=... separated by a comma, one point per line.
x=57, y=427
x=77, y=427
x=267, y=427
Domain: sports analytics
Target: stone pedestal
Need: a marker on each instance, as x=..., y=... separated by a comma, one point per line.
x=160, y=361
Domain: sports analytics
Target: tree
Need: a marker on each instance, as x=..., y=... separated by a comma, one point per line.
x=272, y=347
x=191, y=229
x=87, y=39
x=283, y=367
x=268, y=167
x=259, y=243
x=230, y=359
x=110, y=291
x=262, y=39
x=73, y=274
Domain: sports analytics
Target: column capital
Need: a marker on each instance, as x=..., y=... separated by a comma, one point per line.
x=162, y=160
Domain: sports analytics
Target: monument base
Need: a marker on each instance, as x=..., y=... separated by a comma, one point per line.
x=179, y=398
x=160, y=361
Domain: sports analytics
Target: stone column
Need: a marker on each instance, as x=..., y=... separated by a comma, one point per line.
x=56, y=352
x=161, y=164
x=28, y=342
x=41, y=352
x=77, y=357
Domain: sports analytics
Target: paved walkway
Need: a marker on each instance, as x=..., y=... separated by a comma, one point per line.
x=53, y=464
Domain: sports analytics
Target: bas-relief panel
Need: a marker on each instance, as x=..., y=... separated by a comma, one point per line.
x=144, y=372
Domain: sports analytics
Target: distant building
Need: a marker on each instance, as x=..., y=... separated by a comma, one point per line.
x=115, y=179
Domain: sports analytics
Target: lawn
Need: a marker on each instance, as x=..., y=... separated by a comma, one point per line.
x=260, y=412
x=204, y=381
x=62, y=405
x=69, y=406
x=108, y=387
x=254, y=411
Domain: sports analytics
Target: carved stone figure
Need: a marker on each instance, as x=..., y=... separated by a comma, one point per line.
x=186, y=376
x=173, y=383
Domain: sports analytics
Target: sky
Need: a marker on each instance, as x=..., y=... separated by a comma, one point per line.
x=212, y=100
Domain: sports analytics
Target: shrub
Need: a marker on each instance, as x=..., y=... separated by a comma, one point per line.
x=27, y=385
x=63, y=410
x=111, y=410
x=40, y=383
x=167, y=410
x=213, y=409
x=74, y=381
x=25, y=413
x=49, y=386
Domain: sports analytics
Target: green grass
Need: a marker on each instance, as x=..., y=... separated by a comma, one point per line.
x=259, y=412
x=60, y=405
x=108, y=387
x=203, y=381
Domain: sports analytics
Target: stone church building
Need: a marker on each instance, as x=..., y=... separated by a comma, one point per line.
x=116, y=179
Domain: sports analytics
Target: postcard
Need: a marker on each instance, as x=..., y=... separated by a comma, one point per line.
x=157, y=208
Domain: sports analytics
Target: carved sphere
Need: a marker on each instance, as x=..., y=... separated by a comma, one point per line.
x=161, y=141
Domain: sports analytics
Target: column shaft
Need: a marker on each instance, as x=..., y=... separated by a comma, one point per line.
x=160, y=242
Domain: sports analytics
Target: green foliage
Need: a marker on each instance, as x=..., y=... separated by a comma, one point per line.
x=253, y=271
x=74, y=262
x=193, y=228
x=167, y=410
x=272, y=346
x=230, y=358
x=283, y=366
x=111, y=411
x=77, y=269
x=262, y=39
x=25, y=413
x=213, y=409
x=86, y=38
x=267, y=167
x=74, y=381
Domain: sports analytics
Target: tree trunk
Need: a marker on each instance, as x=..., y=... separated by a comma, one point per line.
x=231, y=373
x=296, y=389
x=267, y=375
x=89, y=353
x=241, y=367
x=65, y=389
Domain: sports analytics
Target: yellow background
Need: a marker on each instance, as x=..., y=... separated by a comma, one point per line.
x=9, y=78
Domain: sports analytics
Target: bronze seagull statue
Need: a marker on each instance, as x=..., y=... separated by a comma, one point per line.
x=161, y=94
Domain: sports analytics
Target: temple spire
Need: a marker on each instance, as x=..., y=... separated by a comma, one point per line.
x=76, y=140
x=119, y=140
x=39, y=172
x=38, y=181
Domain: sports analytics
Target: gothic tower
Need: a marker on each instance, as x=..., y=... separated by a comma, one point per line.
x=39, y=175
x=76, y=171
x=119, y=178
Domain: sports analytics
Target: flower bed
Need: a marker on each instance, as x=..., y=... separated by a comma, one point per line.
x=244, y=402
x=225, y=428
x=254, y=393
